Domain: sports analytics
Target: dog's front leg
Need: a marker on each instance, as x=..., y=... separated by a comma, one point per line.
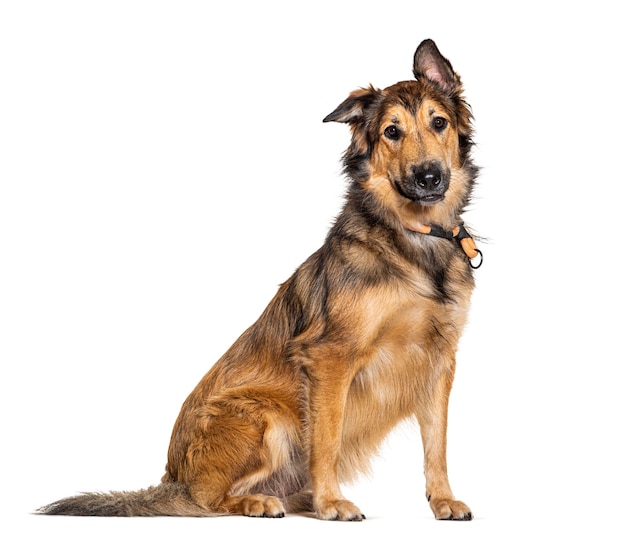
x=433, y=420
x=327, y=403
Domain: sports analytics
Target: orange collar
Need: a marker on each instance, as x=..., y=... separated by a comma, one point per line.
x=458, y=234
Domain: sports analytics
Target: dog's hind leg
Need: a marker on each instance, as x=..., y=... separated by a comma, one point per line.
x=241, y=439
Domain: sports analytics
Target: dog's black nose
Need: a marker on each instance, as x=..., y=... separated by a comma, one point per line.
x=427, y=177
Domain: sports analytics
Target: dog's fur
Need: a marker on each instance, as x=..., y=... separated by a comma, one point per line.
x=361, y=337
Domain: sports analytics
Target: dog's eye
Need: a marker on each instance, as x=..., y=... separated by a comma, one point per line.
x=392, y=132
x=439, y=124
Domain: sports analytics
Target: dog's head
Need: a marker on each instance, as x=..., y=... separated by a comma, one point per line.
x=411, y=141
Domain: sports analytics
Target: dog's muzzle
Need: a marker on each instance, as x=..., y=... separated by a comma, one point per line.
x=426, y=184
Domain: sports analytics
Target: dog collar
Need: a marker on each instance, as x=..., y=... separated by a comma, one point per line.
x=458, y=234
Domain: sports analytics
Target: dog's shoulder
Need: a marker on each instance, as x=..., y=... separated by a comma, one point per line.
x=362, y=253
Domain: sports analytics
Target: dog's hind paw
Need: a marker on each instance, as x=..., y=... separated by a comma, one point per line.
x=256, y=506
x=338, y=510
x=450, y=509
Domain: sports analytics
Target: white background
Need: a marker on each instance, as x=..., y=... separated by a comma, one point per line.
x=163, y=167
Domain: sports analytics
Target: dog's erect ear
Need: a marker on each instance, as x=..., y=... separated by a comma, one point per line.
x=352, y=110
x=431, y=64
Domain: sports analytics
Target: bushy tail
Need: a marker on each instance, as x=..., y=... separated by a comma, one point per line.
x=166, y=499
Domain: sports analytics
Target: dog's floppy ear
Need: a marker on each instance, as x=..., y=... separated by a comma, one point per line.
x=356, y=111
x=352, y=110
x=431, y=64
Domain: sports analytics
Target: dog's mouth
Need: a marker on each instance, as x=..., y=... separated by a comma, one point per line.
x=414, y=194
x=428, y=200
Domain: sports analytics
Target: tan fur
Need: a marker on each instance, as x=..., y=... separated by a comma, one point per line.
x=361, y=337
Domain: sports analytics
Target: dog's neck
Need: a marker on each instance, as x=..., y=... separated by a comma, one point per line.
x=458, y=233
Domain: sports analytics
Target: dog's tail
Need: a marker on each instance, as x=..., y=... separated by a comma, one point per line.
x=165, y=499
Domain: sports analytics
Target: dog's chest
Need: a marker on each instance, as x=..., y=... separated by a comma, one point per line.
x=413, y=339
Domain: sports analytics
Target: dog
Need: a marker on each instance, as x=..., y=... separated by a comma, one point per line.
x=361, y=337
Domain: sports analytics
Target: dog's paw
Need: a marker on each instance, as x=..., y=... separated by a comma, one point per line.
x=262, y=506
x=450, y=509
x=338, y=510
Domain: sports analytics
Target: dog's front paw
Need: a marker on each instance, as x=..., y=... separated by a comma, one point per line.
x=450, y=509
x=338, y=510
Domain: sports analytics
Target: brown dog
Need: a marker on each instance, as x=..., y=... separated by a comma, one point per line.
x=361, y=337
